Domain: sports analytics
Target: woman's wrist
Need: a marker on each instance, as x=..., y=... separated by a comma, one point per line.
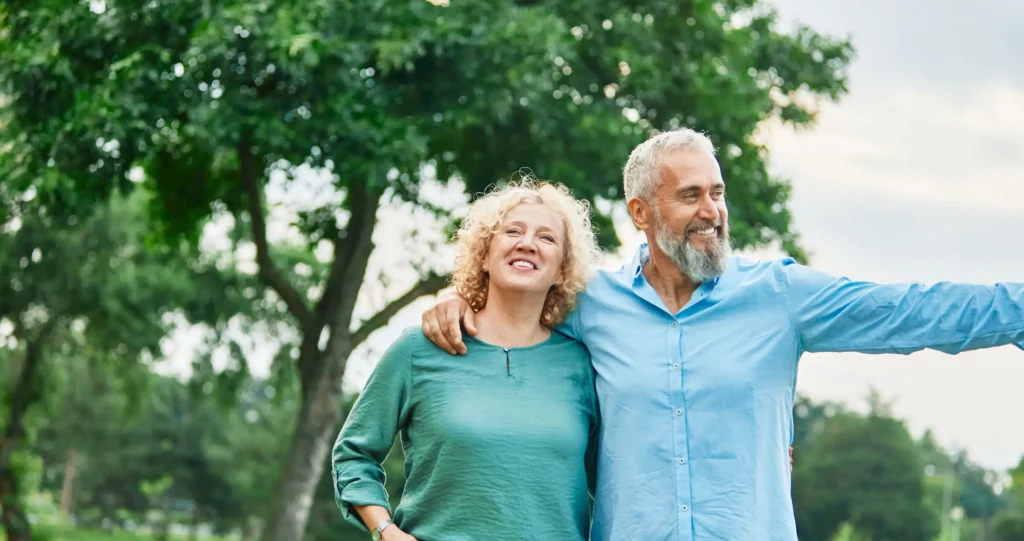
x=388, y=532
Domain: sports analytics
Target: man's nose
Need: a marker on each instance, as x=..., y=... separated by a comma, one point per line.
x=708, y=209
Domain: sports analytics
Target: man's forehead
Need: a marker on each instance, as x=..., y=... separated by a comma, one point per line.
x=686, y=163
x=686, y=179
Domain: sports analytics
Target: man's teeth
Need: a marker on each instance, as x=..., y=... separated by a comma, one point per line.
x=710, y=231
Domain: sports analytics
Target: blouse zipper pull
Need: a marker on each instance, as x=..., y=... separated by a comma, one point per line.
x=508, y=368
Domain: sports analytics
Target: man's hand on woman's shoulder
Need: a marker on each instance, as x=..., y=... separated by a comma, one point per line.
x=441, y=323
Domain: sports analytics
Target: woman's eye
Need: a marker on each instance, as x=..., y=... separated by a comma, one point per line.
x=511, y=231
x=548, y=238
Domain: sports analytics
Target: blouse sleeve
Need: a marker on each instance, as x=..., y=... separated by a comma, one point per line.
x=379, y=414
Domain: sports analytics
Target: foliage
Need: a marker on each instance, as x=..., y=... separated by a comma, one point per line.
x=1009, y=528
x=477, y=89
x=86, y=292
x=203, y=101
x=66, y=533
x=864, y=471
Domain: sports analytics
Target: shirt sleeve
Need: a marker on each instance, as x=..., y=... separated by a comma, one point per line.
x=380, y=412
x=838, y=314
x=571, y=326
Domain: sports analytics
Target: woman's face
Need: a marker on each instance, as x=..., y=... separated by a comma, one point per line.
x=527, y=251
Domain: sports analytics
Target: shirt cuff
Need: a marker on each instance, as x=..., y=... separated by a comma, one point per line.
x=361, y=493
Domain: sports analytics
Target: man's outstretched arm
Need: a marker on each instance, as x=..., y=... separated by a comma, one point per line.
x=837, y=314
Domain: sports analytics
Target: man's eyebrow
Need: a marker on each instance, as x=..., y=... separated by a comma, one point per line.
x=697, y=187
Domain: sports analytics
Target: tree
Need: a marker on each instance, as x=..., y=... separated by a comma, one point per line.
x=865, y=472
x=1009, y=525
x=81, y=288
x=83, y=435
x=977, y=496
x=211, y=98
x=253, y=445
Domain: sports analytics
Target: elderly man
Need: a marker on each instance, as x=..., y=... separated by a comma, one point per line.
x=696, y=354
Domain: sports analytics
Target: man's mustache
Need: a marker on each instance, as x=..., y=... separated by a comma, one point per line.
x=704, y=225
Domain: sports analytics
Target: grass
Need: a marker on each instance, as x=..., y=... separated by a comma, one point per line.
x=67, y=533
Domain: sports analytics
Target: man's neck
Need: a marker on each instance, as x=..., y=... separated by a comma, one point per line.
x=670, y=283
x=511, y=319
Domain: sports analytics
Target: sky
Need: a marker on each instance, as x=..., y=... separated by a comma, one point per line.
x=916, y=175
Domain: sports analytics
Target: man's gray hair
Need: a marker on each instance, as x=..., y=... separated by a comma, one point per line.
x=640, y=176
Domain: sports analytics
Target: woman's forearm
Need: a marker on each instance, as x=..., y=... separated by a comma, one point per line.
x=372, y=514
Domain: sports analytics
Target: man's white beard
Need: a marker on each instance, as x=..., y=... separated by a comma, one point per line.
x=700, y=266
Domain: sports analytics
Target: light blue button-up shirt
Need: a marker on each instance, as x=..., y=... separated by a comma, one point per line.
x=697, y=406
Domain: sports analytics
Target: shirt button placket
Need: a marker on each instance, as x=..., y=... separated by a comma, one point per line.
x=685, y=518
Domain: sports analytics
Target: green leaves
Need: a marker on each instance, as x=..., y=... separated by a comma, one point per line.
x=862, y=470
x=480, y=89
x=183, y=101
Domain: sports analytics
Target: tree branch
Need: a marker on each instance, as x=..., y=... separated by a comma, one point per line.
x=351, y=255
x=427, y=286
x=268, y=273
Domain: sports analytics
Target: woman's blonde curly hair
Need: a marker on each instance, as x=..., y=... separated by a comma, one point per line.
x=473, y=241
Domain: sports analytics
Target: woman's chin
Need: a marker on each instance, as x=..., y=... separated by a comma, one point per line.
x=522, y=288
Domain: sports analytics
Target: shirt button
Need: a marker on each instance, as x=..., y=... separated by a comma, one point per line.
x=684, y=508
x=675, y=365
x=682, y=461
x=674, y=324
x=679, y=412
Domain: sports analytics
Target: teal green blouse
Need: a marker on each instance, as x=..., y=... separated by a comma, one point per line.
x=499, y=444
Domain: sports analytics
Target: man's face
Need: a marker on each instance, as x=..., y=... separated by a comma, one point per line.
x=691, y=219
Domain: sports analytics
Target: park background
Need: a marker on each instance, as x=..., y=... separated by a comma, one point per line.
x=216, y=214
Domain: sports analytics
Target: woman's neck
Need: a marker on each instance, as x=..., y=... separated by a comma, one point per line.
x=511, y=319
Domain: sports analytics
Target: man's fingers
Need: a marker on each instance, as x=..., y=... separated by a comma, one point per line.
x=469, y=321
x=452, y=330
x=442, y=323
x=432, y=330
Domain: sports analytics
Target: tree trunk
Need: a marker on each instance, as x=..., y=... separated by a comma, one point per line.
x=313, y=437
x=69, y=485
x=12, y=516
x=26, y=391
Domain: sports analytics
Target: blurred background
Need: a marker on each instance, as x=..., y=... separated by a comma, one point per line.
x=217, y=213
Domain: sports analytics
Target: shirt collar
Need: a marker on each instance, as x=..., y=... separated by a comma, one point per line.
x=640, y=258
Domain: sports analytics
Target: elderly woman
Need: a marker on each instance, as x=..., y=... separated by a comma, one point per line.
x=500, y=444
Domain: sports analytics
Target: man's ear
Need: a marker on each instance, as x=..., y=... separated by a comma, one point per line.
x=641, y=213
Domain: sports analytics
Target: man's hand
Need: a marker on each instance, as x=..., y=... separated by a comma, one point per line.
x=790, y=460
x=393, y=533
x=441, y=322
